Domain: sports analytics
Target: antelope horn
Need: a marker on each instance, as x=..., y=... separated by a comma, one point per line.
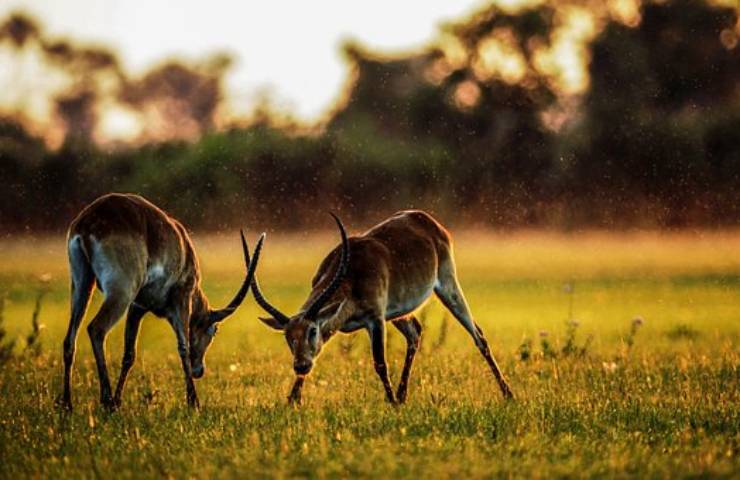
x=324, y=296
x=218, y=315
x=266, y=306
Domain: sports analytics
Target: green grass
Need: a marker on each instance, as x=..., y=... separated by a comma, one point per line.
x=668, y=406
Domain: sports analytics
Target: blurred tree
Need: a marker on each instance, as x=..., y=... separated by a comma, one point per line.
x=657, y=91
x=174, y=100
x=180, y=100
x=490, y=126
x=77, y=112
x=86, y=70
x=458, y=129
x=20, y=155
x=17, y=30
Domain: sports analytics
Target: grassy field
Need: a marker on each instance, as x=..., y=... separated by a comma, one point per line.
x=598, y=393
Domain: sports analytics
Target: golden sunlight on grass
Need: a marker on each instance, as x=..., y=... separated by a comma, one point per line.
x=621, y=349
x=498, y=255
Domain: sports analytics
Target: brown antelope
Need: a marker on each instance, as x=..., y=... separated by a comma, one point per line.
x=142, y=260
x=395, y=267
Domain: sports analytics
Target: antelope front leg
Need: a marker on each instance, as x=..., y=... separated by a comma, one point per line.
x=295, y=392
x=377, y=339
x=180, y=323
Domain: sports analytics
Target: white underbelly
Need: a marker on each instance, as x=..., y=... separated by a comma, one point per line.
x=400, y=307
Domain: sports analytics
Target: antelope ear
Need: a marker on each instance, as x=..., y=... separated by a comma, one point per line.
x=273, y=323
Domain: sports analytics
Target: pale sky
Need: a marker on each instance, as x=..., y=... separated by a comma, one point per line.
x=289, y=48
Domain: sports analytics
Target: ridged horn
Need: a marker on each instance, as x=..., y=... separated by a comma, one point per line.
x=324, y=296
x=279, y=316
x=218, y=315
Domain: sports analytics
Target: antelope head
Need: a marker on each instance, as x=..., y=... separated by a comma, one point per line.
x=205, y=321
x=307, y=331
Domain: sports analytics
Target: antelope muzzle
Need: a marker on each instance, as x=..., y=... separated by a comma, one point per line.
x=302, y=367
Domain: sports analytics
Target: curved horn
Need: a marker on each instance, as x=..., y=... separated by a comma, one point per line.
x=266, y=306
x=218, y=315
x=324, y=296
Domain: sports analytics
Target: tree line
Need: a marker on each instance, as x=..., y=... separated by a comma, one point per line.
x=654, y=141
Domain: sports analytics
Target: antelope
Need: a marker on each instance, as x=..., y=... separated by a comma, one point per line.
x=142, y=260
x=395, y=267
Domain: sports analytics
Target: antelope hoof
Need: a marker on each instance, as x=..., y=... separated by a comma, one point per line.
x=110, y=406
x=506, y=391
x=64, y=404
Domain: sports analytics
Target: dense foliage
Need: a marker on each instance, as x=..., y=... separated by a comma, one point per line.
x=653, y=142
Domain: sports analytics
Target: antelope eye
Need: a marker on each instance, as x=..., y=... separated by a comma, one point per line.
x=212, y=330
x=313, y=333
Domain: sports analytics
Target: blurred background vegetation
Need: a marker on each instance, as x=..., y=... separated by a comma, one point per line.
x=478, y=128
